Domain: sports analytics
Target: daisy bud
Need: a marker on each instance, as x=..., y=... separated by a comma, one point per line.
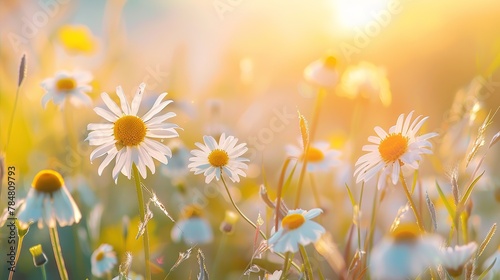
x=39, y=257
x=230, y=219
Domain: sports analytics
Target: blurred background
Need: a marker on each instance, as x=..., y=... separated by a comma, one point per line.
x=237, y=66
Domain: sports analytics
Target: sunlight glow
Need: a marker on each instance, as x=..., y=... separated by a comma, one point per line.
x=355, y=13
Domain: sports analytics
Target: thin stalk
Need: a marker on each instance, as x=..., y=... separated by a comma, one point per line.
x=412, y=204
x=286, y=265
x=142, y=213
x=218, y=257
x=56, y=247
x=307, y=263
x=312, y=132
x=315, y=192
x=44, y=272
x=18, y=252
x=11, y=122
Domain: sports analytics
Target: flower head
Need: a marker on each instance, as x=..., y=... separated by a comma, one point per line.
x=366, y=80
x=39, y=257
x=322, y=72
x=453, y=259
x=214, y=158
x=129, y=138
x=103, y=260
x=68, y=85
x=319, y=156
x=401, y=146
x=296, y=228
x=49, y=201
x=192, y=228
x=404, y=254
x=77, y=39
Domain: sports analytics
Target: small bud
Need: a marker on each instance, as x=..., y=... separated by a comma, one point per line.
x=230, y=219
x=39, y=257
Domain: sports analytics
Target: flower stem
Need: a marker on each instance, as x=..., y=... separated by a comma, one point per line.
x=412, y=204
x=145, y=236
x=56, y=247
x=307, y=263
x=18, y=252
x=44, y=273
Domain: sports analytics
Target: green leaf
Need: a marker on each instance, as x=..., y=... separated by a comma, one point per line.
x=451, y=209
x=468, y=192
x=485, y=272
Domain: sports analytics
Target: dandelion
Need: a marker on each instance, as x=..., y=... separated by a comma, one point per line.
x=322, y=72
x=71, y=86
x=453, y=259
x=214, y=158
x=192, y=228
x=366, y=80
x=103, y=260
x=296, y=229
x=49, y=201
x=319, y=156
x=404, y=254
x=129, y=138
x=400, y=147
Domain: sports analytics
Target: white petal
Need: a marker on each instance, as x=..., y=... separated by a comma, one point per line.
x=136, y=102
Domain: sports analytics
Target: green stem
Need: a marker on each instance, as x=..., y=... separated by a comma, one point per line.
x=307, y=263
x=56, y=247
x=410, y=200
x=44, y=273
x=142, y=213
x=18, y=252
x=286, y=265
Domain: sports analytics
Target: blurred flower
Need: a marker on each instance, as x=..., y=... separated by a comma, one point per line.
x=392, y=150
x=319, y=156
x=404, y=254
x=296, y=228
x=230, y=219
x=103, y=260
x=48, y=200
x=322, y=72
x=494, y=273
x=71, y=85
x=130, y=138
x=77, y=39
x=177, y=166
x=275, y=276
x=39, y=257
x=192, y=228
x=214, y=158
x=366, y=80
x=453, y=259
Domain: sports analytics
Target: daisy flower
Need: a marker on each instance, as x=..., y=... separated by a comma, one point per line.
x=214, y=158
x=296, y=228
x=400, y=146
x=453, y=259
x=70, y=85
x=103, y=260
x=192, y=228
x=319, y=156
x=322, y=72
x=49, y=201
x=129, y=138
x=404, y=254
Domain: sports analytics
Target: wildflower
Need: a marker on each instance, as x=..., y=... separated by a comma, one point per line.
x=39, y=257
x=103, y=260
x=77, y=39
x=49, y=201
x=129, y=138
x=177, y=166
x=401, y=146
x=404, y=254
x=214, y=158
x=319, y=156
x=296, y=228
x=366, y=80
x=70, y=85
x=322, y=72
x=192, y=228
x=230, y=219
x=453, y=259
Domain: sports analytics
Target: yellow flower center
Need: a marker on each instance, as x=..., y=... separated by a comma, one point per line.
x=48, y=181
x=99, y=256
x=192, y=211
x=293, y=221
x=406, y=233
x=314, y=155
x=218, y=158
x=393, y=147
x=65, y=84
x=129, y=131
x=330, y=61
